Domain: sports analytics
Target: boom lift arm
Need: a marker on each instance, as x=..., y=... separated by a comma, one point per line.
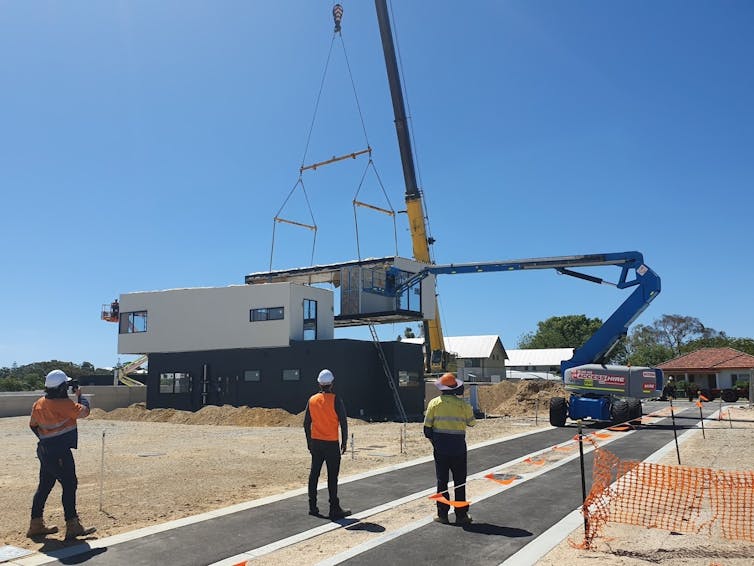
x=421, y=241
x=597, y=348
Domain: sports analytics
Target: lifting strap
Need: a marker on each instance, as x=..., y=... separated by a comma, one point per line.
x=389, y=211
x=279, y=219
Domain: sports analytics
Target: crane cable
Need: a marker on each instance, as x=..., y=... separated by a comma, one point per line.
x=390, y=211
x=337, y=15
x=277, y=218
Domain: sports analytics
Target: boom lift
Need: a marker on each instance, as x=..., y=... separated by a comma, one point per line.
x=598, y=391
x=436, y=358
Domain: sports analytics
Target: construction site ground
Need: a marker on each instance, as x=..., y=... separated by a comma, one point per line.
x=203, y=494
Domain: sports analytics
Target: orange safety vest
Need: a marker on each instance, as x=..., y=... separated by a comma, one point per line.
x=324, y=417
x=55, y=417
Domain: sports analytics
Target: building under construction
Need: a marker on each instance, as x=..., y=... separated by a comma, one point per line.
x=262, y=344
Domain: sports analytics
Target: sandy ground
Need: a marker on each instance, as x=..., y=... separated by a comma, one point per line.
x=156, y=471
x=159, y=471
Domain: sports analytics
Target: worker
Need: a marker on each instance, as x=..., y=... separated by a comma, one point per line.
x=325, y=412
x=669, y=389
x=445, y=425
x=115, y=309
x=53, y=421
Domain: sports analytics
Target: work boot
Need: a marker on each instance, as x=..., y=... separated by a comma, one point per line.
x=37, y=528
x=442, y=519
x=74, y=528
x=463, y=519
x=313, y=510
x=338, y=512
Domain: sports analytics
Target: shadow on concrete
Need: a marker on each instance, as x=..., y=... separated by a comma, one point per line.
x=366, y=526
x=496, y=530
x=84, y=556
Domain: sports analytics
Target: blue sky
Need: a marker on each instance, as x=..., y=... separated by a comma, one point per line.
x=148, y=145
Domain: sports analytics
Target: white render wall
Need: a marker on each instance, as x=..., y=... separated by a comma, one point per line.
x=215, y=318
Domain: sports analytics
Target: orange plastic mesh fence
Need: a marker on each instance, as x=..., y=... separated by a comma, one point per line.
x=673, y=498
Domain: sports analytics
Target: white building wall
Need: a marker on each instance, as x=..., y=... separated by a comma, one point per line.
x=210, y=318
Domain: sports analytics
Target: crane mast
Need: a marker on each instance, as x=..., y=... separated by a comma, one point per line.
x=433, y=338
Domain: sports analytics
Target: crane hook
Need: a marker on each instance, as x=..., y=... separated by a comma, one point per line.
x=337, y=14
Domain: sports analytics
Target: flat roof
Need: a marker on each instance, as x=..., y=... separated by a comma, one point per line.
x=326, y=273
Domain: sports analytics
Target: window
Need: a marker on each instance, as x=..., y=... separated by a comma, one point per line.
x=408, y=379
x=131, y=322
x=291, y=375
x=266, y=313
x=252, y=375
x=175, y=382
x=310, y=319
x=410, y=298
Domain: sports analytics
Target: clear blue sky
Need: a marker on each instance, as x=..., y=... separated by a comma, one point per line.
x=148, y=145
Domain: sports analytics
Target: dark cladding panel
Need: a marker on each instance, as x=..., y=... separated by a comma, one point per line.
x=286, y=377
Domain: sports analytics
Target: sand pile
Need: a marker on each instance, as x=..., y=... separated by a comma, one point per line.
x=519, y=398
x=210, y=415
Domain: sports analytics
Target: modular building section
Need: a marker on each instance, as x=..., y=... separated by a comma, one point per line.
x=215, y=318
x=368, y=289
x=285, y=377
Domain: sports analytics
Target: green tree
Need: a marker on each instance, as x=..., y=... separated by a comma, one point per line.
x=12, y=384
x=561, y=332
x=30, y=377
x=668, y=337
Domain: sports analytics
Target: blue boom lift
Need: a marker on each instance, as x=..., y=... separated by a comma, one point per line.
x=597, y=391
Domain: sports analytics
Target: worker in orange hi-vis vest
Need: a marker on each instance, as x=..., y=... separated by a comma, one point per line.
x=53, y=420
x=325, y=413
x=445, y=425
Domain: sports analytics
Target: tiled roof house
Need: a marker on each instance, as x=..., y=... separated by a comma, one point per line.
x=711, y=368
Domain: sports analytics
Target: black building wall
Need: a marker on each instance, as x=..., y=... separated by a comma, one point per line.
x=217, y=377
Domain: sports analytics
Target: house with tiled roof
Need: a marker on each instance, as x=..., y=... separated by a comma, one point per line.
x=711, y=368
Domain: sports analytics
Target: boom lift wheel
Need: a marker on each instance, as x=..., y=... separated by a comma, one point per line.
x=558, y=411
x=634, y=409
x=621, y=412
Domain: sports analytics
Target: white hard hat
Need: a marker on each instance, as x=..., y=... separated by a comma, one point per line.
x=325, y=377
x=56, y=378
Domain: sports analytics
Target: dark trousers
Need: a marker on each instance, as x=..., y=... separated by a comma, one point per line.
x=446, y=464
x=327, y=452
x=55, y=465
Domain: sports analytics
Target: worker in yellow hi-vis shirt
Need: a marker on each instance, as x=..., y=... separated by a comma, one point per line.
x=445, y=426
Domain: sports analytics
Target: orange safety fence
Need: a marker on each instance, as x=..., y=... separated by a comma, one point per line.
x=672, y=498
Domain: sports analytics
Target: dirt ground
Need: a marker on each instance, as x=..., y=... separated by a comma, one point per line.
x=138, y=468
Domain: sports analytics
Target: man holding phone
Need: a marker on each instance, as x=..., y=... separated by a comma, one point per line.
x=53, y=421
